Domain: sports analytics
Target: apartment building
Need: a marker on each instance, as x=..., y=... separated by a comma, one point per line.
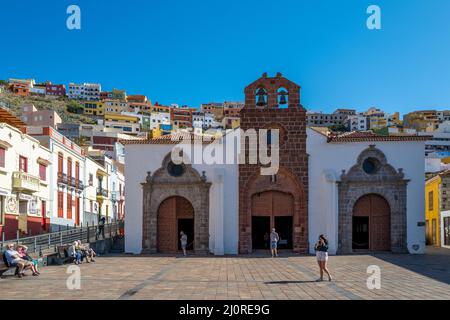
x=232, y=109
x=319, y=119
x=181, y=117
x=39, y=89
x=94, y=108
x=104, y=168
x=217, y=109
x=356, y=122
x=21, y=87
x=25, y=183
x=158, y=118
x=122, y=123
x=144, y=119
x=117, y=187
x=85, y=91
x=66, y=180
x=140, y=103
x=57, y=90
x=115, y=105
x=43, y=118
x=422, y=120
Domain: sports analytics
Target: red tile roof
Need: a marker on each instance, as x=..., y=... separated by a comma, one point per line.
x=174, y=138
x=7, y=117
x=365, y=136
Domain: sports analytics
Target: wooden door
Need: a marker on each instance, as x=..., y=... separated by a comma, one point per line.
x=167, y=226
x=376, y=208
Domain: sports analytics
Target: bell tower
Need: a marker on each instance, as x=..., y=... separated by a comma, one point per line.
x=279, y=201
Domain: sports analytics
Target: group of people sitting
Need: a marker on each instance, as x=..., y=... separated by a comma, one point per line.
x=18, y=257
x=80, y=252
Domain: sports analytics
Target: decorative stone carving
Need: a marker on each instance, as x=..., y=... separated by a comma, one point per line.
x=386, y=182
x=160, y=186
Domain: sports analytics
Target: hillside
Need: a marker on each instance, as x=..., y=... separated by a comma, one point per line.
x=13, y=102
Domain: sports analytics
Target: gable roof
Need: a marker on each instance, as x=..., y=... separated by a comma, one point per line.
x=173, y=138
x=364, y=136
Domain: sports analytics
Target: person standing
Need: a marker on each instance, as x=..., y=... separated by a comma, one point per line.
x=321, y=248
x=183, y=241
x=274, y=238
x=101, y=227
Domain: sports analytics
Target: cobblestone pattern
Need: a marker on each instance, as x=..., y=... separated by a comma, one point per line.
x=242, y=277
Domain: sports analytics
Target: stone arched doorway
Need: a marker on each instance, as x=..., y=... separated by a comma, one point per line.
x=273, y=201
x=371, y=224
x=174, y=182
x=272, y=209
x=373, y=175
x=175, y=214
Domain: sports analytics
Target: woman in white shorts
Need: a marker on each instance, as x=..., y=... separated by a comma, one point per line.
x=321, y=248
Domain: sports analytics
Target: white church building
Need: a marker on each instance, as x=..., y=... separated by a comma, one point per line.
x=363, y=191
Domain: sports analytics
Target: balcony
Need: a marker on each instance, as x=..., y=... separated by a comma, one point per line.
x=24, y=182
x=114, y=195
x=102, y=193
x=62, y=178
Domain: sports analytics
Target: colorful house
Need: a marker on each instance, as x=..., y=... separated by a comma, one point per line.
x=94, y=108
x=432, y=210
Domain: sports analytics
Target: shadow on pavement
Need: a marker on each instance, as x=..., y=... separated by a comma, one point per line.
x=291, y=282
x=435, y=264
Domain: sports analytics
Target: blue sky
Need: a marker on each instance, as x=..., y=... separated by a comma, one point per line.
x=189, y=52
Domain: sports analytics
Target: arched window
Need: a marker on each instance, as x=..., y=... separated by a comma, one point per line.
x=371, y=165
x=175, y=170
x=283, y=98
x=261, y=97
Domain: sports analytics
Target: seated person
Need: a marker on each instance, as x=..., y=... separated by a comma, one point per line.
x=23, y=253
x=14, y=260
x=75, y=252
x=87, y=252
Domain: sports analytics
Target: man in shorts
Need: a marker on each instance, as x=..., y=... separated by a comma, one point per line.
x=14, y=260
x=274, y=238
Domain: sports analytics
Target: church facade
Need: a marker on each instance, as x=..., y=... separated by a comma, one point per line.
x=363, y=191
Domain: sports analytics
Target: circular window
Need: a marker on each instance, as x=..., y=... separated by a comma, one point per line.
x=175, y=170
x=370, y=166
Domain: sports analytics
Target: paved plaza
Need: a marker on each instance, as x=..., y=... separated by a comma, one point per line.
x=242, y=277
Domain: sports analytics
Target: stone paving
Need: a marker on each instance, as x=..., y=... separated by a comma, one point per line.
x=240, y=277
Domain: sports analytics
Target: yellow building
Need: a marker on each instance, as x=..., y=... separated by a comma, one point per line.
x=115, y=106
x=432, y=210
x=377, y=122
x=94, y=108
x=122, y=123
x=425, y=120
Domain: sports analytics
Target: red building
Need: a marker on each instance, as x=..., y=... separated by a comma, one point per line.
x=58, y=90
x=279, y=201
x=20, y=89
x=181, y=117
x=106, y=95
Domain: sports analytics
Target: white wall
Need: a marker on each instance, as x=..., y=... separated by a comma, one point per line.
x=223, y=197
x=326, y=162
